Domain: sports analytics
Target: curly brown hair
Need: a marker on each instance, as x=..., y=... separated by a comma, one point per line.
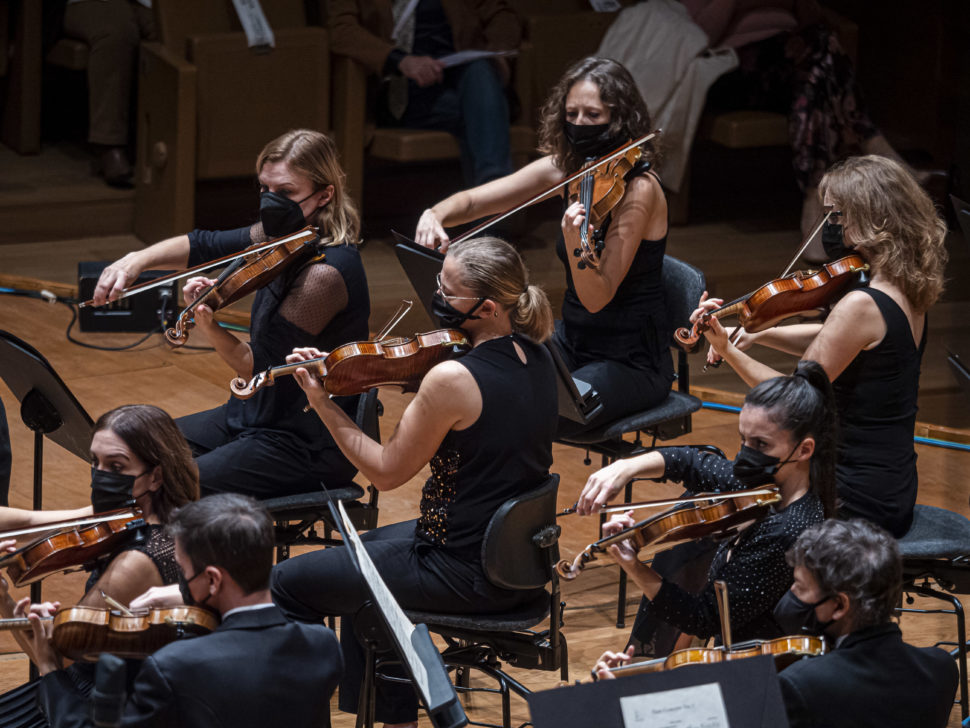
x=629, y=118
x=892, y=222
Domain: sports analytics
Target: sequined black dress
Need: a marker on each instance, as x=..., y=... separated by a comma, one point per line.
x=434, y=563
x=753, y=564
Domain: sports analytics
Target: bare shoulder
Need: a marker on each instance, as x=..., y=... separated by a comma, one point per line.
x=449, y=378
x=854, y=304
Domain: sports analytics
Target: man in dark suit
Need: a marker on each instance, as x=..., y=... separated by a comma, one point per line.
x=848, y=576
x=255, y=669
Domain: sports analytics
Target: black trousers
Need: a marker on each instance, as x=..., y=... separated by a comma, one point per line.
x=419, y=575
x=623, y=390
x=258, y=462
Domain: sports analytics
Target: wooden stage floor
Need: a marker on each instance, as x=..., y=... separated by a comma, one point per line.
x=187, y=381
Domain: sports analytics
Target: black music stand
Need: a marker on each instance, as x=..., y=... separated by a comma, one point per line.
x=749, y=690
x=47, y=407
x=381, y=623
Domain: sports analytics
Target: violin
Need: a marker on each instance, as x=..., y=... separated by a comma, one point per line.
x=71, y=547
x=356, y=367
x=706, y=515
x=801, y=293
x=246, y=274
x=600, y=189
x=83, y=633
x=784, y=650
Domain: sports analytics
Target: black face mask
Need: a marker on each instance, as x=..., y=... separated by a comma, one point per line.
x=450, y=317
x=110, y=491
x=590, y=140
x=796, y=617
x=754, y=468
x=833, y=241
x=280, y=215
x=186, y=593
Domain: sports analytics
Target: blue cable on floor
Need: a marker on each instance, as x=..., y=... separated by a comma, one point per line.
x=931, y=441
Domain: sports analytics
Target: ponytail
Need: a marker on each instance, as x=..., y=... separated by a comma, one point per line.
x=533, y=314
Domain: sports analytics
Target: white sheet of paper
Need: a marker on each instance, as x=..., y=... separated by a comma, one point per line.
x=456, y=59
x=605, y=6
x=254, y=23
x=699, y=706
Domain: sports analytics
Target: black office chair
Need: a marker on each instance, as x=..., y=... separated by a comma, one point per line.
x=297, y=516
x=936, y=564
x=520, y=551
x=683, y=286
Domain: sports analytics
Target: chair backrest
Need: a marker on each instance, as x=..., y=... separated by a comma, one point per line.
x=509, y=556
x=683, y=286
x=368, y=414
x=177, y=20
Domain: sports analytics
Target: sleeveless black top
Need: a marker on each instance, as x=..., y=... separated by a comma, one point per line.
x=155, y=542
x=272, y=338
x=506, y=452
x=631, y=328
x=876, y=400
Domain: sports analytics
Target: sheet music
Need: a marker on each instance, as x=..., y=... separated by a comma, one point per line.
x=456, y=59
x=699, y=706
x=254, y=23
x=397, y=620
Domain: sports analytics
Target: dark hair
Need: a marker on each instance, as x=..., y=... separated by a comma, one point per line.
x=855, y=557
x=228, y=530
x=629, y=118
x=804, y=405
x=152, y=435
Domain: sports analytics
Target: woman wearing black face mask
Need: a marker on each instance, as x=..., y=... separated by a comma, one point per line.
x=485, y=424
x=787, y=439
x=613, y=332
x=138, y=456
x=872, y=342
x=267, y=446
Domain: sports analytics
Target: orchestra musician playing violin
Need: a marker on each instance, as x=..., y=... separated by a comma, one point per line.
x=267, y=446
x=848, y=577
x=484, y=422
x=233, y=676
x=137, y=455
x=787, y=439
x=872, y=342
x=613, y=329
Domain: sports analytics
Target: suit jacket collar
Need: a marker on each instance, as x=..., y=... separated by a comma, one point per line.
x=889, y=630
x=254, y=619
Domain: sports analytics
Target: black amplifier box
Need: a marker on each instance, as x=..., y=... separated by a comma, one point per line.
x=142, y=312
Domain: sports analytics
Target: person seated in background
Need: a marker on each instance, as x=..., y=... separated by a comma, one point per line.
x=404, y=40
x=113, y=30
x=848, y=578
x=255, y=669
x=791, y=62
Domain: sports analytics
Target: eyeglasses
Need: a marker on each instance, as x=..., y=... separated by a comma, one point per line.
x=455, y=298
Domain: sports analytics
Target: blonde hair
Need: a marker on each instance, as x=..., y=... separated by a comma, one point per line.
x=314, y=154
x=494, y=269
x=893, y=222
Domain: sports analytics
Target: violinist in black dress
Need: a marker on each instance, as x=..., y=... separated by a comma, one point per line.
x=267, y=446
x=484, y=422
x=613, y=333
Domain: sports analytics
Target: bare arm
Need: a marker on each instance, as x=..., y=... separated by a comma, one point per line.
x=490, y=198
x=447, y=399
x=16, y=518
x=793, y=339
x=604, y=485
x=170, y=253
x=642, y=213
x=237, y=354
x=129, y=574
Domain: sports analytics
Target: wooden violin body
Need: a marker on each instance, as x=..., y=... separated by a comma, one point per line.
x=784, y=650
x=600, y=190
x=242, y=277
x=359, y=366
x=706, y=517
x=71, y=548
x=803, y=293
x=83, y=633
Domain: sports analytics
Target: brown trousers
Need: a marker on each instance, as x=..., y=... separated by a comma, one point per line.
x=113, y=29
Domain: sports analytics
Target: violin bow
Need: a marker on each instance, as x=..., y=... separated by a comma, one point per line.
x=394, y=320
x=58, y=525
x=723, y=612
x=262, y=247
x=671, y=501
